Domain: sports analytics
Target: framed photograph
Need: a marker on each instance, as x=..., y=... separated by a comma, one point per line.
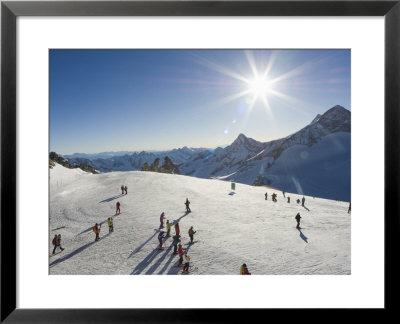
x=264, y=132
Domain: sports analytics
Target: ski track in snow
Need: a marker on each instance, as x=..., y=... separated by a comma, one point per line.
x=232, y=228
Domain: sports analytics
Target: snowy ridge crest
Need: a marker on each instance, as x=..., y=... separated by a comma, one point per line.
x=249, y=161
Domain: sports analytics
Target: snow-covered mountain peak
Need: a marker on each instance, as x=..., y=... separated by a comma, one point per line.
x=240, y=140
x=315, y=119
x=247, y=142
x=336, y=119
x=337, y=112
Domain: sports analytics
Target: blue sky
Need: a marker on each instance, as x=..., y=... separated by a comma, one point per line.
x=133, y=100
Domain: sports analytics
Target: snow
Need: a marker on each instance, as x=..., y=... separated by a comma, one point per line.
x=232, y=227
x=322, y=170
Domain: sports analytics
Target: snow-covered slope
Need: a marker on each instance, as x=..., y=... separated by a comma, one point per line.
x=232, y=228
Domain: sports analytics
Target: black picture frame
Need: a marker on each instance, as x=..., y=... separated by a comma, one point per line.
x=10, y=10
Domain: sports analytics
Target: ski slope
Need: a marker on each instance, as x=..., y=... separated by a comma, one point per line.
x=232, y=227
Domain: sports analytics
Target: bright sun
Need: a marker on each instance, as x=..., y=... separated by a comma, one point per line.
x=259, y=86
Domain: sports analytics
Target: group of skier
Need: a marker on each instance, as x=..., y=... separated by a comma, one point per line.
x=124, y=189
x=176, y=241
x=274, y=195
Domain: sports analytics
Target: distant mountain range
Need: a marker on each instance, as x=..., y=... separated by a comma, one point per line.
x=315, y=161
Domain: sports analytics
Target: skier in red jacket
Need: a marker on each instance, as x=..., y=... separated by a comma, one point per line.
x=117, y=211
x=180, y=253
x=177, y=230
x=244, y=270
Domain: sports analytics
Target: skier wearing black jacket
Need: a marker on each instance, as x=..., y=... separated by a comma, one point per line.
x=175, y=243
x=187, y=206
x=297, y=217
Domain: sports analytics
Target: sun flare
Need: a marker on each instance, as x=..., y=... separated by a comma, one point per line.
x=259, y=87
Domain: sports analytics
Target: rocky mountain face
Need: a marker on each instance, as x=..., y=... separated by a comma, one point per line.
x=167, y=167
x=55, y=158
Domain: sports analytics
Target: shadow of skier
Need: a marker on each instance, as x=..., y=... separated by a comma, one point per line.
x=303, y=237
x=154, y=267
x=143, y=244
x=177, y=220
x=78, y=250
x=146, y=261
x=231, y=193
x=306, y=208
x=111, y=198
x=175, y=269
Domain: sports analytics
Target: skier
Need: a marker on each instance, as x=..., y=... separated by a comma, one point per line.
x=180, y=253
x=187, y=206
x=288, y=200
x=283, y=194
x=297, y=217
x=96, y=230
x=54, y=242
x=117, y=208
x=302, y=201
x=168, y=226
x=126, y=190
x=274, y=197
x=122, y=189
x=298, y=201
x=191, y=233
x=186, y=266
x=162, y=217
x=110, y=225
x=266, y=196
x=177, y=230
x=160, y=237
x=349, y=210
x=244, y=270
x=175, y=243
x=57, y=243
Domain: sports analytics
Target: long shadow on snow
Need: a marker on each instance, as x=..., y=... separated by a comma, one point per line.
x=175, y=269
x=78, y=250
x=145, y=262
x=172, y=256
x=306, y=208
x=177, y=220
x=140, y=247
x=154, y=267
x=111, y=198
x=303, y=237
x=151, y=237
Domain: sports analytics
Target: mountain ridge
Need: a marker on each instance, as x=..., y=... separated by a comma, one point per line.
x=249, y=161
